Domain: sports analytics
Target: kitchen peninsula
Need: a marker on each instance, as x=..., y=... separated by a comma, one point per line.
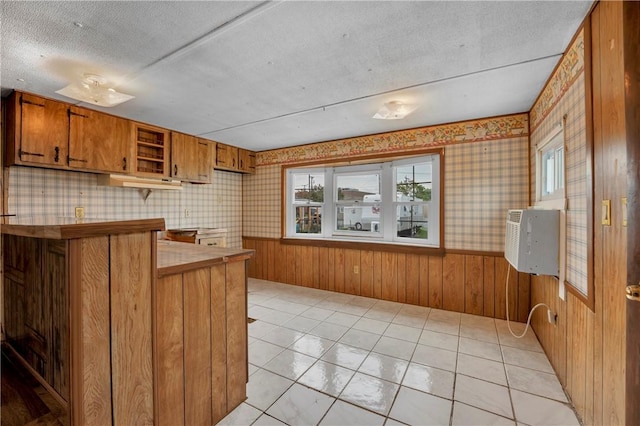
x=122, y=328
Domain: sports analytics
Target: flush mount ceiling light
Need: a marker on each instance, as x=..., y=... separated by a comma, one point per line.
x=92, y=90
x=394, y=110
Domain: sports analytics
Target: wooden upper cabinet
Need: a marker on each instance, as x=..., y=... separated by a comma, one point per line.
x=150, y=150
x=206, y=160
x=37, y=131
x=190, y=158
x=226, y=157
x=247, y=161
x=98, y=142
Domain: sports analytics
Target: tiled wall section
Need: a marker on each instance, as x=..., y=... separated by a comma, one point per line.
x=35, y=191
x=482, y=181
x=572, y=103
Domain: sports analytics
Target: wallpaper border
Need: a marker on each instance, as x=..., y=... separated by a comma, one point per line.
x=504, y=127
x=570, y=68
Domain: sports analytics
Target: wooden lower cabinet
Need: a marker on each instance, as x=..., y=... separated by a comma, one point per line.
x=201, y=344
x=78, y=314
x=36, y=308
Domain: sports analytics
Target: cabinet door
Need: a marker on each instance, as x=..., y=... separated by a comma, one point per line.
x=184, y=156
x=98, y=142
x=190, y=158
x=204, y=161
x=247, y=161
x=43, y=131
x=227, y=157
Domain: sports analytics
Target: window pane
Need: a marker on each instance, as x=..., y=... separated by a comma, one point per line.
x=308, y=219
x=412, y=221
x=358, y=218
x=548, y=173
x=357, y=186
x=413, y=182
x=308, y=187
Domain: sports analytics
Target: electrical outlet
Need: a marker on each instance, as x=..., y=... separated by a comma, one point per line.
x=79, y=212
x=356, y=269
x=187, y=213
x=552, y=317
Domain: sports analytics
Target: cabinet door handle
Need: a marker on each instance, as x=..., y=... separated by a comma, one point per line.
x=242, y=164
x=175, y=170
x=124, y=163
x=34, y=154
x=76, y=114
x=69, y=159
x=24, y=101
x=56, y=158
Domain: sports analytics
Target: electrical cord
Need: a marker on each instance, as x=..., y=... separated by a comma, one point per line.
x=507, y=306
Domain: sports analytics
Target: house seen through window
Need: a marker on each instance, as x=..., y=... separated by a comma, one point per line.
x=395, y=201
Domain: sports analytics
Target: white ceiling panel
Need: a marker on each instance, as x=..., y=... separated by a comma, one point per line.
x=273, y=74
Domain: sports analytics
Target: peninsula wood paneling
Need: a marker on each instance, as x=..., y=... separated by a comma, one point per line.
x=470, y=283
x=132, y=271
x=201, y=343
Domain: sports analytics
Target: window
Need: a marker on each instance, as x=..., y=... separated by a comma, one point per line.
x=550, y=166
x=390, y=202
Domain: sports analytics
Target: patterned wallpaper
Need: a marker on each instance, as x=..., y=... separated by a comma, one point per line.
x=486, y=173
x=565, y=95
x=571, y=67
x=406, y=140
x=35, y=191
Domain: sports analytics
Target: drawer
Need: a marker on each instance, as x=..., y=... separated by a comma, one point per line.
x=213, y=241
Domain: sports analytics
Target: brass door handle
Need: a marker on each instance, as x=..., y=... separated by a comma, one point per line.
x=633, y=292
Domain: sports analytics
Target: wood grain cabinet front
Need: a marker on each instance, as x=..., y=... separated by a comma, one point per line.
x=37, y=131
x=36, y=309
x=98, y=142
x=190, y=158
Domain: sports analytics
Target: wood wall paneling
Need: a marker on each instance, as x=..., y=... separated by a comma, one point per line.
x=131, y=328
x=236, y=290
x=197, y=347
x=472, y=283
x=218, y=342
x=170, y=351
x=90, y=331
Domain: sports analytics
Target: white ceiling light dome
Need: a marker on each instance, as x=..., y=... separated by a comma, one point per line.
x=92, y=89
x=395, y=110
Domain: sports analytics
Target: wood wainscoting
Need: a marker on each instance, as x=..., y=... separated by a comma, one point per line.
x=473, y=283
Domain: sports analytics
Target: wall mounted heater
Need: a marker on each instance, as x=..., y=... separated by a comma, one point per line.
x=531, y=241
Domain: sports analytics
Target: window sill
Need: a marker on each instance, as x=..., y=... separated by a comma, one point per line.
x=364, y=245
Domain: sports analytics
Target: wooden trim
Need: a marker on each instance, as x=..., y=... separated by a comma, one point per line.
x=356, y=245
x=475, y=252
x=631, y=21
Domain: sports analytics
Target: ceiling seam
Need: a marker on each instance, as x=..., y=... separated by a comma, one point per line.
x=413, y=86
x=217, y=31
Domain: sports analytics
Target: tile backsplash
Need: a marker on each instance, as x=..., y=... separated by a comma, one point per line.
x=36, y=191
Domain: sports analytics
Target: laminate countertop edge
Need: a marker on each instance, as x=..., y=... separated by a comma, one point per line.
x=176, y=257
x=66, y=228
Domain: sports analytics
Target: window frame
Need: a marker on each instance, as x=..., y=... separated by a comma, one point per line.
x=554, y=142
x=355, y=239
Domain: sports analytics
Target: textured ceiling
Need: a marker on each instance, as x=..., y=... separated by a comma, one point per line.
x=275, y=74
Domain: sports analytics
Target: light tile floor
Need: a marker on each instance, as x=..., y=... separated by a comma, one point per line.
x=318, y=357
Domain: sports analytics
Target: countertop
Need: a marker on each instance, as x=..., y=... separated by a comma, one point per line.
x=66, y=228
x=176, y=257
